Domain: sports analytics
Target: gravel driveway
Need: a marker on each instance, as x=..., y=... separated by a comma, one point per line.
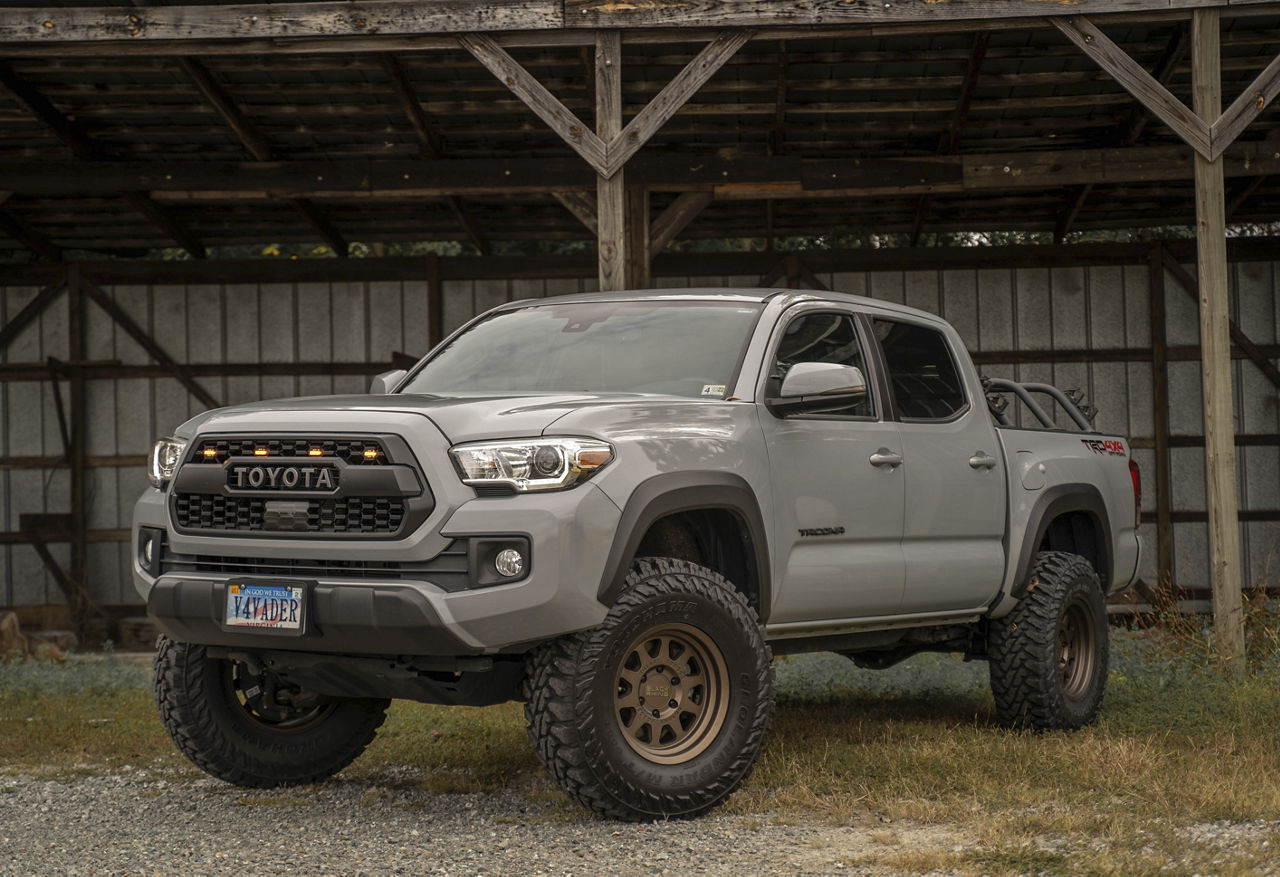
x=140, y=823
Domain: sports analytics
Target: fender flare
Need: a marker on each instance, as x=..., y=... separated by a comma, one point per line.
x=1058, y=500
x=675, y=492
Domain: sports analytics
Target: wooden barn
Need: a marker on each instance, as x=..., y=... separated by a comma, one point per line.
x=1085, y=188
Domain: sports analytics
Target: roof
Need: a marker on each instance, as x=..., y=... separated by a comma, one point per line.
x=329, y=128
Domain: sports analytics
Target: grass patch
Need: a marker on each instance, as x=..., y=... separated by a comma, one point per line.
x=1179, y=744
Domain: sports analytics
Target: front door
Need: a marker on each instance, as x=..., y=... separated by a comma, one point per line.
x=838, y=512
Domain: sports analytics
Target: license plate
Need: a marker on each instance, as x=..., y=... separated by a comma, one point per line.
x=267, y=607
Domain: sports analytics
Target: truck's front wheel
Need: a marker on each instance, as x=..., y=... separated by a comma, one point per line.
x=661, y=710
x=238, y=726
x=1049, y=655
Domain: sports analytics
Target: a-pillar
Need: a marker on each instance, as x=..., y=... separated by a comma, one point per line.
x=1215, y=342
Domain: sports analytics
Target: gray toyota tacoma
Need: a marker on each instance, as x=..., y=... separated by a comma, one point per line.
x=617, y=509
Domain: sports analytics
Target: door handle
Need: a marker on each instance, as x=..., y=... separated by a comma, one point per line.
x=982, y=460
x=885, y=457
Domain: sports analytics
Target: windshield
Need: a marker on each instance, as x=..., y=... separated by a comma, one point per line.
x=677, y=348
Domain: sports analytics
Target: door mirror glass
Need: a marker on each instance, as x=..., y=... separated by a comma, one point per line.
x=386, y=382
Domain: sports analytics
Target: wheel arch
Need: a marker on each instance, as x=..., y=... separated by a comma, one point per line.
x=1067, y=517
x=719, y=503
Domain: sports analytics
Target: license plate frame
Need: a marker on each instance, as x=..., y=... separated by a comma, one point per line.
x=282, y=607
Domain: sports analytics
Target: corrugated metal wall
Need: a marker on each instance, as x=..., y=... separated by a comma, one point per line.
x=1007, y=309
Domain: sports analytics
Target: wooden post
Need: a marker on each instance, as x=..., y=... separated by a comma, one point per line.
x=639, y=256
x=79, y=417
x=1215, y=342
x=1160, y=412
x=611, y=194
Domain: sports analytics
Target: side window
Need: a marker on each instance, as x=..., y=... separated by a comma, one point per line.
x=823, y=337
x=922, y=373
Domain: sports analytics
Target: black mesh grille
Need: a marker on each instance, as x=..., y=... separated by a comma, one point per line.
x=448, y=569
x=355, y=514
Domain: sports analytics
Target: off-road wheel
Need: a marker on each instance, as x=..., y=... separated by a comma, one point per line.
x=661, y=710
x=1048, y=656
x=242, y=727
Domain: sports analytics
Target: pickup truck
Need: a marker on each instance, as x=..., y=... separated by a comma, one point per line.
x=617, y=508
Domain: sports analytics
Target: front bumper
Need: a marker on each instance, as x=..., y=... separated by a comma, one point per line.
x=570, y=534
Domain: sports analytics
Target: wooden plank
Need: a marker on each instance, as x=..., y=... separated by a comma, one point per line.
x=1134, y=79
x=1252, y=101
x=1160, y=412
x=30, y=238
x=675, y=218
x=218, y=97
x=666, y=103
x=537, y=98
x=435, y=301
x=638, y=243
x=1215, y=372
x=115, y=461
x=582, y=206
x=258, y=21
x=611, y=193
x=730, y=13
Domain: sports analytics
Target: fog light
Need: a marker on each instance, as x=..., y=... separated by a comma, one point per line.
x=509, y=563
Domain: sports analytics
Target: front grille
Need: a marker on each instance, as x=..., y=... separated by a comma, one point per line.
x=206, y=511
x=286, y=485
x=449, y=569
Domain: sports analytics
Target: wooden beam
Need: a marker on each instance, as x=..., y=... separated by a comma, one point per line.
x=162, y=218
x=30, y=238
x=1193, y=130
x=1252, y=101
x=674, y=95
x=537, y=98
x=730, y=177
x=675, y=218
x=149, y=344
x=611, y=195
x=31, y=310
x=319, y=220
x=428, y=142
x=1215, y=371
x=1160, y=415
x=582, y=206
x=1238, y=336
x=218, y=97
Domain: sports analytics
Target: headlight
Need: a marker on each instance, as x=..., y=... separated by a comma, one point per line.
x=532, y=464
x=165, y=457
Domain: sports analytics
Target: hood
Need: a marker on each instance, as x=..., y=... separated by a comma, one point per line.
x=460, y=418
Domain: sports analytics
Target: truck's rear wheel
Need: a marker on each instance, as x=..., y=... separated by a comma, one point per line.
x=1049, y=655
x=237, y=725
x=661, y=710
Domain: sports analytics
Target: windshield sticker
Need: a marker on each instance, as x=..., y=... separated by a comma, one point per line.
x=713, y=389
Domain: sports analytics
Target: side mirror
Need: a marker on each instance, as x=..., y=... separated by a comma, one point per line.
x=386, y=382
x=813, y=386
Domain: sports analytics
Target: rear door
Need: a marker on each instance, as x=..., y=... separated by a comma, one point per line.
x=953, y=531
x=838, y=514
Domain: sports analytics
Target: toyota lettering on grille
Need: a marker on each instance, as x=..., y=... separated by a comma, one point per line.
x=282, y=478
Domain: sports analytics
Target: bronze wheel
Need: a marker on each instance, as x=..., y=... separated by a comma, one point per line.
x=673, y=694
x=1048, y=656
x=659, y=711
x=1076, y=651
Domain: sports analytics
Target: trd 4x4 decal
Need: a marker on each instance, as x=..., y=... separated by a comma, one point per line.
x=1098, y=446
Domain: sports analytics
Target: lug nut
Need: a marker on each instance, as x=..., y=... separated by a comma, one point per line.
x=675, y=680
x=672, y=704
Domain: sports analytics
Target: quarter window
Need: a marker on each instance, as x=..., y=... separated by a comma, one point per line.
x=922, y=372
x=823, y=337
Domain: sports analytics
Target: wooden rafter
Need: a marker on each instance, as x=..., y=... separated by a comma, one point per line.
x=727, y=177
x=581, y=205
x=258, y=145
x=429, y=142
x=950, y=140
x=29, y=237
x=83, y=147
x=676, y=218
x=30, y=311
x=1173, y=53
